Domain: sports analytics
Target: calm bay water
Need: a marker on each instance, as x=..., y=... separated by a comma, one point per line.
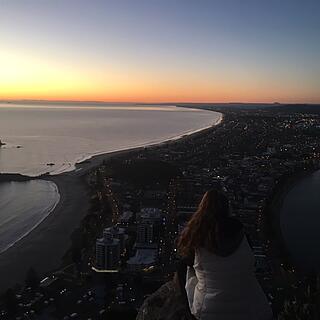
x=23, y=205
x=53, y=137
x=300, y=222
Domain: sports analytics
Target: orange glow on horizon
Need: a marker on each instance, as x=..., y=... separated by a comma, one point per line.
x=143, y=99
x=27, y=77
x=160, y=51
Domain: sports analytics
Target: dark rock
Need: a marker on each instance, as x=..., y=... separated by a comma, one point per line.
x=164, y=304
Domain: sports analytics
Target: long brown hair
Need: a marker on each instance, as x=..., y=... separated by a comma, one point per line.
x=201, y=228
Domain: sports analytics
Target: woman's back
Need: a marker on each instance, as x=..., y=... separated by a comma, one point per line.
x=218, y=269
x=226, y=286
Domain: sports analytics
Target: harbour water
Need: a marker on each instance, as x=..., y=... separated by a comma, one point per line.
x=300, y=222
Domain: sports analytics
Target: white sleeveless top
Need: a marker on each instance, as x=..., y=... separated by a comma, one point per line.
x=225, y=288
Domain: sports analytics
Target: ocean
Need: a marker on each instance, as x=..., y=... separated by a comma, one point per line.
x=51, y=138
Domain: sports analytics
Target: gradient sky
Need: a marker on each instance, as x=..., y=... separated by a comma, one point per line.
x=160, y=50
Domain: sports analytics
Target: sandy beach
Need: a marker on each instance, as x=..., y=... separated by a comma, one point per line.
x=44, y=247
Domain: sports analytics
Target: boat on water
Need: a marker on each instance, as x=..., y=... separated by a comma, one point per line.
x=2, y=143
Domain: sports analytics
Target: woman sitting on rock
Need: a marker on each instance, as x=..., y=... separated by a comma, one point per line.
x=221, y=284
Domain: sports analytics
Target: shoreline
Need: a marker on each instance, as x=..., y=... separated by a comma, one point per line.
x=45, y=245
x=91, y=157
x=47, y=212
x=86, y=165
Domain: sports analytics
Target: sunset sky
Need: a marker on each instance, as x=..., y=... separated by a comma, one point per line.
x=160, y=50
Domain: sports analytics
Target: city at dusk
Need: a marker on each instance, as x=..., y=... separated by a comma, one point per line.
x=159, y=160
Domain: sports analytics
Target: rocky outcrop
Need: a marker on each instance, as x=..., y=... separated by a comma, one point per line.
x=165, y=304
x=17, y=177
